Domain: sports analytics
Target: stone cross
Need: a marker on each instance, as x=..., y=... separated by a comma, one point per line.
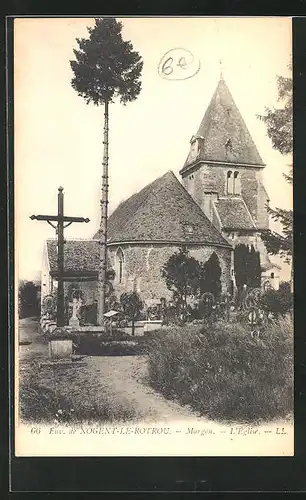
x=74, y=321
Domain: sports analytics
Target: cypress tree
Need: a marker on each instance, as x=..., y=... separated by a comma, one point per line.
x=211, y=276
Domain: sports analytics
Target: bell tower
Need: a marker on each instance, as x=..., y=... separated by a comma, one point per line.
x=223, y=163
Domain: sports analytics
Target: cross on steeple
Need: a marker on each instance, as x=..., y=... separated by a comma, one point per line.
x=221, y=68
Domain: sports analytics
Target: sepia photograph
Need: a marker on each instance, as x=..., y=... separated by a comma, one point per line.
x=153, y=168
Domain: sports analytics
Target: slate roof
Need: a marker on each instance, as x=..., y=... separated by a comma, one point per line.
x=233, y=213
x=223, y=122
x=162, y=211
x=79, y=255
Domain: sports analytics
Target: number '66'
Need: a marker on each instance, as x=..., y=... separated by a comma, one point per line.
x=35, y=430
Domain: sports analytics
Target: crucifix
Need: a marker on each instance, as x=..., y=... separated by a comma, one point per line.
x=61, y=219
x=75, y=304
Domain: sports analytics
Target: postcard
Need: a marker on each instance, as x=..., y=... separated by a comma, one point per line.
x=153, y=236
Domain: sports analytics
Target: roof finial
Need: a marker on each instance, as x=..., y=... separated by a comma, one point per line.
x=221, y=68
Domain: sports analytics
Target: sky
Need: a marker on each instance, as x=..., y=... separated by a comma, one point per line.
x=58, y=137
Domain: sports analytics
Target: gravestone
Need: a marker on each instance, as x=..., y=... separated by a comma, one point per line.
x=60, y=349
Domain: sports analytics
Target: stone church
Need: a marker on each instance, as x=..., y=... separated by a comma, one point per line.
x=220, y=202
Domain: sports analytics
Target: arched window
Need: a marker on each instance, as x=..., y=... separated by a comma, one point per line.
x=119, y=265
x=237, y=187
x=229, y=182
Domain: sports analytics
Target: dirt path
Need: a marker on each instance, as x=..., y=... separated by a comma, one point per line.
x=125, y=378
x=32, y=344
x=122, y=378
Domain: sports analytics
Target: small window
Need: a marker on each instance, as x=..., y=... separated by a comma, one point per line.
x=189, y=229
x=229, y=182
x=228, y=146
x=119, y=265
x=272, y=275
x=236, y=183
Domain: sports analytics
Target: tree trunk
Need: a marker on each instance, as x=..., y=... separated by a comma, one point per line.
x=185, y=307
x=133, y=326
x=103, y=223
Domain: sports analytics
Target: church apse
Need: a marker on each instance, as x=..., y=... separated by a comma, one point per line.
x=143, y=264
x=151, y=225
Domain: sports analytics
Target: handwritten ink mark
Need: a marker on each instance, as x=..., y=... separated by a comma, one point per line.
x=178, y=64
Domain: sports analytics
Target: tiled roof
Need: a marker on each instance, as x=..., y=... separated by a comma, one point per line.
x=233, y=213
x=225, y=137
x=79, y=255
x=162, y=211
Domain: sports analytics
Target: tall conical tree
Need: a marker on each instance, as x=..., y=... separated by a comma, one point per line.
x=105, y=68
x=253, y=268
x=211, y=276
x=247, y=266
x=240, y=264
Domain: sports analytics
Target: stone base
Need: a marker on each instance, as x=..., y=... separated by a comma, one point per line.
x=150, y=326
x=74, y=322
x=85, y=329
x=60, y=349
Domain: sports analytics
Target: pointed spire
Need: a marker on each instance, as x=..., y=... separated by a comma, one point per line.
x=222, y=121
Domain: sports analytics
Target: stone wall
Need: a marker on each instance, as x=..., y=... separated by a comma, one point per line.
x=46, y=280
x=206, y=177
x=262, y=200
x=236, y=237
x=142, y=270
x=143, y=263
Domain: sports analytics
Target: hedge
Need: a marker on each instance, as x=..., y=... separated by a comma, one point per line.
x=224, y=373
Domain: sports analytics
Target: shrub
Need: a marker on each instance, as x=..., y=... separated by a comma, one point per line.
x=211, y=276
x=131, y=305
x=28, y=299
x=277, y=302
x=223, y=372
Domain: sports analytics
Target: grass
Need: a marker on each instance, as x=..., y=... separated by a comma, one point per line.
x=67, y=394
x=223, y=372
